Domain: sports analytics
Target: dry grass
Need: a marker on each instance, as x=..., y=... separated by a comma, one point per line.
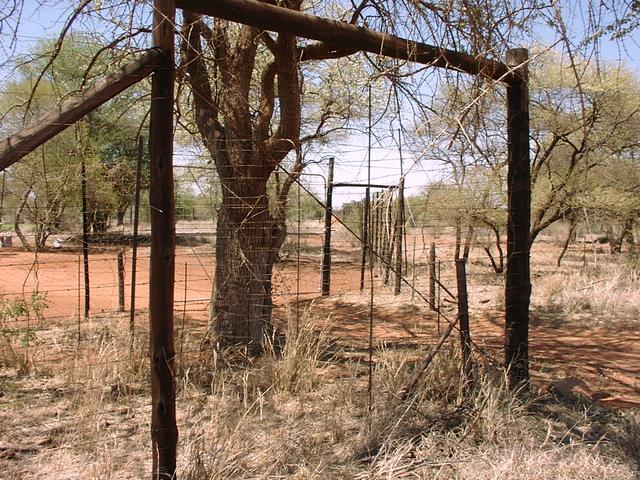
x=610, y=289
x=301, y=412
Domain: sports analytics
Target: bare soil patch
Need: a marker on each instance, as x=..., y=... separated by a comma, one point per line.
x=604, y=358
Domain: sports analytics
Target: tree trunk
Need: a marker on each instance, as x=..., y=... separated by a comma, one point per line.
x=247, y=246
x=18, y=218
x=458, y=232
x=615, y=241
x=99, y=221
x=565, y=246
x=499, y=267
x=121, y=211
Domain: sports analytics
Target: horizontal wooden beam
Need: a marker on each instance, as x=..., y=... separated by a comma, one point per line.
x=26, y=140
x=345, y=36
x=363, y=185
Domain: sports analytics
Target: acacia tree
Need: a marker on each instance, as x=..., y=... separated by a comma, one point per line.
x=468, y=139
x=247, y=94
x=46, y=182
x=584, y=133
x=578, y=129
x=248, y=89
x=43, y=186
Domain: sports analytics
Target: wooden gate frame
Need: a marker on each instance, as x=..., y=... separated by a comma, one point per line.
x=343, y=38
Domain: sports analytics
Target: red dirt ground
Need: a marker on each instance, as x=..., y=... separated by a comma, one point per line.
x=606, y=359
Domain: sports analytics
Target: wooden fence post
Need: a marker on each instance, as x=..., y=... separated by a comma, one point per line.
x=365, y=235
x=85, y=239
x=79, y=298
x=326, y=247
x=164, y=432
x=413, y=270
x=120, y=261
x=463, y=316
x=399, y=237
x=432, y=276
x=390, y=239
x=4, y=174
x=518, y=286
x=375, y=218
x=134, y=244
x=439, y=299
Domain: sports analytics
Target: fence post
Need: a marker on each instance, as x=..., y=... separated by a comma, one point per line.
x=365, y=236
x=4, y=174
x=432, y=276
x=326, y=247
x=120, y=261
x=79, y=297
x=85, y=239
x=184, y=312
x=399, y=237
x=439, y=300
x=164, y=432
x=413, y=270
x=518, y=286
x=388, y=257
x=134, y=244
x=463, y=316
x=376, y=226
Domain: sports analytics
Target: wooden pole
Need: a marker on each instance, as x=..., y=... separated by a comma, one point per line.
x=380, y=229
x=164, y=432
x=463, y=316
x=344, y=37
x=79, y=297
x=85, y=238
x=376, y=226
x=413, y=270
x=407, y=391
x=120, y=261
x=134, y=244
x=366, y=247
x=4, y=174
x=326, y=248
x=439, y=300
x=432, y=276
x=518, y=284
x=16, y=146
x=365, y=237
x=390, y=240
x=184, y=312
x=399, y=238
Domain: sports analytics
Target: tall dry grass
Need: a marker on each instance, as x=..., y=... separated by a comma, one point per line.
x=301, y=411
x=606, y=289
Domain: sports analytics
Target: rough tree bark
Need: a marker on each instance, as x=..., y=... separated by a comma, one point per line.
x=247, y=146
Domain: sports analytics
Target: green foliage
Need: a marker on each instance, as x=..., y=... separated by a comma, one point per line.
x=585, y=125
x=11, y=310
x=310, y=209
x=584, y=149
x=15, y=336
x=351, y=215
x=18, y=309
x=45, y=187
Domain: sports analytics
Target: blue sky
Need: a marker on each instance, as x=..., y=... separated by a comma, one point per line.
x=351, y=153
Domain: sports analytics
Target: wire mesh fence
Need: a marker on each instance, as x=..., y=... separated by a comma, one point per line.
x=83, y=379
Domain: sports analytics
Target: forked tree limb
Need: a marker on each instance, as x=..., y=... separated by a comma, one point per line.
x=343, y=35
x=23, y=142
